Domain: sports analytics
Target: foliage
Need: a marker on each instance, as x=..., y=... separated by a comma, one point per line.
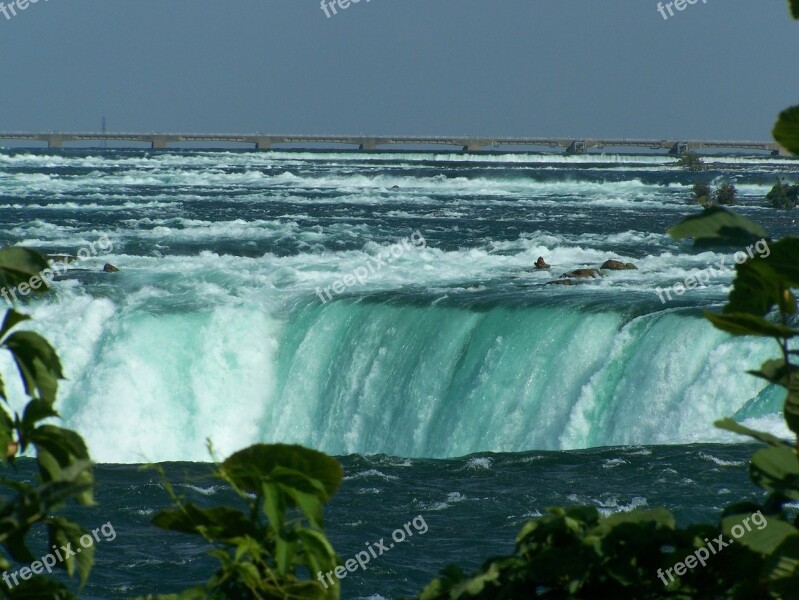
x=705, y=195
x=783, y=195
x=690, y=161
x=702, y=192
x=725, y=194
x=64, y=467
x=576, y=553
x=719, y=226
x=786, y=131
x=279, y=532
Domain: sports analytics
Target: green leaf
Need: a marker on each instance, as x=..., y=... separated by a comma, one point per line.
x=11, y=320
x=35, y=411
x=794, y=5
x=776, y=372
x=773, y=371
x=776, y=469
x=756, y=290
x=782, y=568
x=781, y=260
x=477, y=585
x=39, y=588
x=6, y=433
x=657, y=516
x=38, y=364
x=66, y=534
x=786, y=131
x=220, y=522
x=318, y=554
x=20, y=265
x=763, y=537
x=250, y=467
x=764, y=281
x=57, y=450
x=719, y=225
x=766, y=438
x=274, y=505
x=284, y=555
x=747, y=324
x=791, y=407
x=309, y=494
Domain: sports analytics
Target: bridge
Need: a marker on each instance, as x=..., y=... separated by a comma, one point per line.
x=161, y=141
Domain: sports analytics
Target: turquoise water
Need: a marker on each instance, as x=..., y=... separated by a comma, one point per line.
x=387, y=305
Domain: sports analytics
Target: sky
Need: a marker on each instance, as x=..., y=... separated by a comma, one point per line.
x=721, y=69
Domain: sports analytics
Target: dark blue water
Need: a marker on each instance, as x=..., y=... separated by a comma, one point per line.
x=473, y=507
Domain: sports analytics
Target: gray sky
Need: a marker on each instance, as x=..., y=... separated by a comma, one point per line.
x=578, y=68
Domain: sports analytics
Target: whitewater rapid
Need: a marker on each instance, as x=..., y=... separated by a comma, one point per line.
x=214, y=327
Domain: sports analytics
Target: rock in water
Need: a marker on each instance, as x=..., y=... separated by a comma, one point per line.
x=582, y=274
x=617, y=265
x=109, y=268
x=541, y=263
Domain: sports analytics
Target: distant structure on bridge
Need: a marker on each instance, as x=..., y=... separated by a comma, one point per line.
x=161, y=141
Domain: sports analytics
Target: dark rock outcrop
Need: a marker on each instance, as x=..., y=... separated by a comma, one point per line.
x=617, y=265
x=583, y=274
x=541, y=263
x=109, y=268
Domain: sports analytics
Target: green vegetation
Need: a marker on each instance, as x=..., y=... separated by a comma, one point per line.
x=690, y=161
x=260, y=549
x=703, y=193
x=783, y=195
x=725, y=194
x=64, y=467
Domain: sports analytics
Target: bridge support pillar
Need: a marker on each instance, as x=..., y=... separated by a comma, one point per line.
x=368, y=146
x=158, y=144
x=55, y=143
x=576, y=147
x=263, y=144
x=472, y=147
x=679, y=149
